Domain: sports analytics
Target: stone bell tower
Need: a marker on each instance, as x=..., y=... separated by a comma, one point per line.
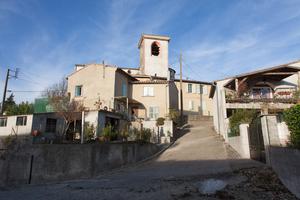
x=154, y=51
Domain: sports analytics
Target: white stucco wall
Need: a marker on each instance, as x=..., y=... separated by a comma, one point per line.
x=168, y=126
x=241, y=143
x=219, y=109
x=283, y=133
x=12, y=128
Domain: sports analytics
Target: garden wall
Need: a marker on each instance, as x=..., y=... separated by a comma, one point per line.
x=58, y=162
x=241, y=143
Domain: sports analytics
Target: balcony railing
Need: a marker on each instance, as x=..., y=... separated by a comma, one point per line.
x=261, y=100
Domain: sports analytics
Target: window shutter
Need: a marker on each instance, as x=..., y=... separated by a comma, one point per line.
x=204, y=89
x=198, y=89
x=151, y=91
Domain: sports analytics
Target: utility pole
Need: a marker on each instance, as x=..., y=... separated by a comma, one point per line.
x=5, y=86
x=4, y=91
x=181, y=98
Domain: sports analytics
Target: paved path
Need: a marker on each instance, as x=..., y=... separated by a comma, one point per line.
x=198, y=154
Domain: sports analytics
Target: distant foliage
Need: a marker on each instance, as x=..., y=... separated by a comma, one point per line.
x=11, y=108
x=292, y=119
x=240, y=116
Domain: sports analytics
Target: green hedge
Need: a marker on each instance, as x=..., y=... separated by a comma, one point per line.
x=240, y=116
x=292, y=119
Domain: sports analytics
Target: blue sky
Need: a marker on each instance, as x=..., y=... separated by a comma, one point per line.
x=217, y=38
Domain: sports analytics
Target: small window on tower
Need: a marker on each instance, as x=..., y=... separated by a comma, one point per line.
x=155, y=49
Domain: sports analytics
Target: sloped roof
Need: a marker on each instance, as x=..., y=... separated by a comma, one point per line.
x=269, y=69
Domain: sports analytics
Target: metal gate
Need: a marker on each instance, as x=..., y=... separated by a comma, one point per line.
x=256, y=141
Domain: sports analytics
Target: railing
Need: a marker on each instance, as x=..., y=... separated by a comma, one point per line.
x=262, y=100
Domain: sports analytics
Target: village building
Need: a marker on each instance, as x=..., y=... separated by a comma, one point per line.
x=141, y=94
x=269, y=91
x=118, y=96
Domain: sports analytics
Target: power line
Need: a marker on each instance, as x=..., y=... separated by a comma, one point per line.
x=13, y=91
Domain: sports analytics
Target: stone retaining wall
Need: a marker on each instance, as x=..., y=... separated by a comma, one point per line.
x=58, y=162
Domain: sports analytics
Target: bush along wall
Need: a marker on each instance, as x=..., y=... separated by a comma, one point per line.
x=240, y=116
x=292, y=119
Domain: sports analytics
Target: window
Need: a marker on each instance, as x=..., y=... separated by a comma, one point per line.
x=198, y=89
x=3, y=121
x=191, y=105
x=21, y=121
x=78, y=90
x=190, y=88
x=148, y=91
x=155, y=49
x=263, y=92
x=153, y=112
x=124, y=89
x=204, y=89
x=50, y=125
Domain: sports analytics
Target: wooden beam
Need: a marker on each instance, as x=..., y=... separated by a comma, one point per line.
x=279, y=73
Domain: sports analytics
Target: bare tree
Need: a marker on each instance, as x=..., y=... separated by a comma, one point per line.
x=62, y=104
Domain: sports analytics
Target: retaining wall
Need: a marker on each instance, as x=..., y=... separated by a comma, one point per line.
x=72, y=161
x=286, y=163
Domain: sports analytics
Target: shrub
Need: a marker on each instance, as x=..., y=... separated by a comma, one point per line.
x=134, y=134
x=89, y=131
x=8, y=140
x=292, y=119
x=107, y=132
x=240, y=116
x=160, y=121
x=124, y=134
x=145, y=134
x=174, y=115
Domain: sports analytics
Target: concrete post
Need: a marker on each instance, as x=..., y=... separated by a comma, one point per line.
x=82, y=127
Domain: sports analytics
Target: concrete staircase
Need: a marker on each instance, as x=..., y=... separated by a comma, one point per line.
x=192, y=118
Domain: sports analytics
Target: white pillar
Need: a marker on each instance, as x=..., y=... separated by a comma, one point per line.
x=82, y=127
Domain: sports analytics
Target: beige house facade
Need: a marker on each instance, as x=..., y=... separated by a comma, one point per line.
x=196, y=99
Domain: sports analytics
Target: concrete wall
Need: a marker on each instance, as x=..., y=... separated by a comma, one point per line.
x=65, y=162
x=219, y=109
x=283, y=133
x=241, y=143
x=286, y=163
x=12, y=128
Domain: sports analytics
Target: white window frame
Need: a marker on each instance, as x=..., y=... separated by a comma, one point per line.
x=4, y=124
x=153, y=113
x=188, y=88
x=148, y=91
x=78, y=86
x=23, y=121
x=198, y=88
x=204, y=90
